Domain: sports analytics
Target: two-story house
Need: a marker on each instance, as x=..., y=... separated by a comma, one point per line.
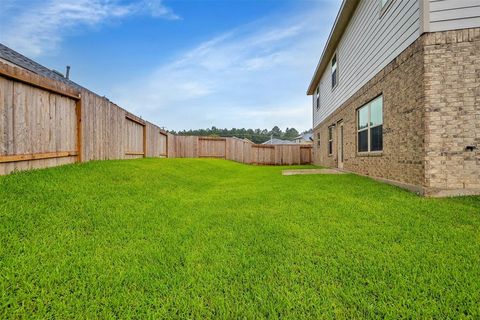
x=396, y=94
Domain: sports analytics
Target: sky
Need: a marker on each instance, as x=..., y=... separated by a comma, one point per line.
x=182, y=64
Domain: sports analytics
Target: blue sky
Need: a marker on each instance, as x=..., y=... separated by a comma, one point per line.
x=182, y=63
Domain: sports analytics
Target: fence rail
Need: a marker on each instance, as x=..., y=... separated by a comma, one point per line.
x=45, y=123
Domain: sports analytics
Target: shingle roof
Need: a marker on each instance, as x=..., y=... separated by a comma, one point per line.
x=20, y=60
x=278, y=141
x=306, y=136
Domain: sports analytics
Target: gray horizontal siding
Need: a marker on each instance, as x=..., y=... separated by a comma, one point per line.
x=454, y=14
x=370, y=42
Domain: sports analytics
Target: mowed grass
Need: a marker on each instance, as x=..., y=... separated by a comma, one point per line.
x=189, y=238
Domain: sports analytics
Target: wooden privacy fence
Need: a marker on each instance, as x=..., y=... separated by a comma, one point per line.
x=45, y=123
x=242, y=151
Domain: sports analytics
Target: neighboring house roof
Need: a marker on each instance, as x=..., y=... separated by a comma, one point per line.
x=20, y=60
x=341, y=22
x=305, y=136
x=277, y=141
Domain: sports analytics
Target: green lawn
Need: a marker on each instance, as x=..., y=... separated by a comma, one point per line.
x=188, y=238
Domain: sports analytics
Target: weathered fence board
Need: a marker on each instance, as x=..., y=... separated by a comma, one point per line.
x=34, y=123
x=305, y=154
x=134, y=137
x=186, y=147
x=157, y=139
x=162, y=144
x=212, y=147
x=235, y=150
x=263, y=154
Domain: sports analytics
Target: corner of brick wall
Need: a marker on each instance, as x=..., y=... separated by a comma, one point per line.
x=452, y=109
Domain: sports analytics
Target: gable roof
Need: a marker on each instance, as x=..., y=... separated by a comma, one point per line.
x=341, y=22
x=20, y=60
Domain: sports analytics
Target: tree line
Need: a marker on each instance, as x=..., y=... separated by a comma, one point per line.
x=255, y=135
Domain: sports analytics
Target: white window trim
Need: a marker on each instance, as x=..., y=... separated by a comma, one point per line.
x=369, y=127
x=384, y=7
x=317, y=97
x=330, y=139
x=332, y=70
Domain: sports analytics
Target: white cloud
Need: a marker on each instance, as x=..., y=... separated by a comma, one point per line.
x=37, y=27
x=157, y=9
x=253, y=76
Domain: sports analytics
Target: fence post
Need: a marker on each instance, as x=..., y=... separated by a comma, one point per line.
x=145, y=140
x=198, y=147
x=226, y=150
x=166, y=143
x=78, y=111
x=275, y=155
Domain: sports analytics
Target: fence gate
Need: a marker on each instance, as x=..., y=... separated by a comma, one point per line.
x=163, y=144
x=212, y=147
x=135, y=137
x=39, y=126
x=306, y=154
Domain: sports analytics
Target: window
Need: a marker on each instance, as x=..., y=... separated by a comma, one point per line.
x=318, y=139
x=317, y=97
x=334, y=71
x=384, y=5
x=370, y=126
x=330, y=140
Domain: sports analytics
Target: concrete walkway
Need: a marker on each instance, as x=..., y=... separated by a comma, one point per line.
x=311, y=171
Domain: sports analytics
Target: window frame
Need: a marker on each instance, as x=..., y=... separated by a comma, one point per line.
x=317, y=97
x=332, y=71
x=369, y=127
x=384, y=6
x=318, y=139
x=330, y=140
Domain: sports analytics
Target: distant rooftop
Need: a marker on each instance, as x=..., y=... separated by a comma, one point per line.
x=278, y=141
x=305, y=136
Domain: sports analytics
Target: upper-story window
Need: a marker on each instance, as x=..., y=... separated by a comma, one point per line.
x=384, y=4
x=317, y=97
x=370, y=126
x=334, y=71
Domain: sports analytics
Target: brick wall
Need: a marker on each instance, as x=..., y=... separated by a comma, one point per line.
x=401, y=84
x=452, y=104
x=431, y=113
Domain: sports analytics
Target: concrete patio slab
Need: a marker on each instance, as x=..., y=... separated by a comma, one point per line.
x=311, y=171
